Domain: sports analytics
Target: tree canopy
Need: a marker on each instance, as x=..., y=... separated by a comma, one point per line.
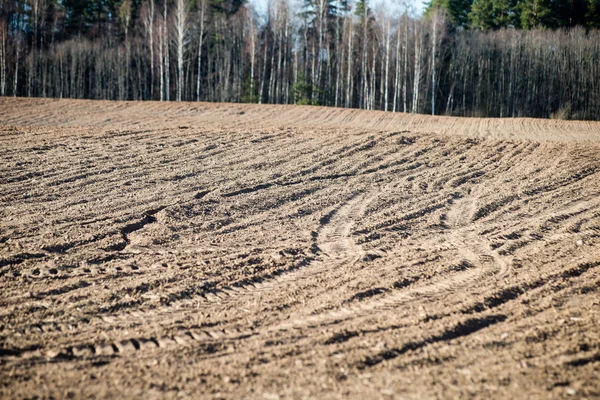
x=535, y=58
x=524, y=14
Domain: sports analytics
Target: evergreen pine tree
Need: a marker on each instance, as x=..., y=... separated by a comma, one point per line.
x=536, y=13
x=592, y=14
x=458, y=10
x=494, y=14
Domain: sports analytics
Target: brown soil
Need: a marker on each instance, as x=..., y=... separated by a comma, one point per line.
x=201, y=250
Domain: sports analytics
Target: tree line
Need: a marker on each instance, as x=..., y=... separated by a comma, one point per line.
x=481, y=58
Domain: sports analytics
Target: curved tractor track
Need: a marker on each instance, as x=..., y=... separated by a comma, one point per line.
x=333, y=241
x=239, y=251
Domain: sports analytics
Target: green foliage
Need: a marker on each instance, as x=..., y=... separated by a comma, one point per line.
x=310, y=7
x=361, y=7
x=125, y=13
x=303, y=92
x=88, y=16
x=569, y=12
x=227, y=7
x=250, y=95
x=536, y=14
x=592, y=14
x=458, y=10
x=494, y=14
x=552, y=14
x=94, y=16
x=527, y=14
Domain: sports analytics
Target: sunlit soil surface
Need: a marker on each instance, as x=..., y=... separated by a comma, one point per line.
x=164, y=250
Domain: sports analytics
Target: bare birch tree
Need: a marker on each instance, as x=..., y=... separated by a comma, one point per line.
x=125, y=17
x=417, y=66
x=349, y=80
x=180, y=26
x=202, y=13
x=166, y=54
x=3, y=54
x=148, y=22
x=438, y=21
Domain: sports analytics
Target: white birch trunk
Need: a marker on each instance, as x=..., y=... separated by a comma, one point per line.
x=417, y=74
x=202, y=6
x=161, y=64
x=387, y=63
x=349, y=76
x=148, y=21
x=166, y=51
x=16, y=77
x=2, y=59
x=180, y=20
x=433, y=57
x=397, y=77
x=252, y=54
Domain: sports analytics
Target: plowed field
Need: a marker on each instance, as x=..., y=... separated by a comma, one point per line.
x=193, y=250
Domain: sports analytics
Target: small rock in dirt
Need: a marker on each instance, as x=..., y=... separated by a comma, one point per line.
x=53, y=353
x=380, y=346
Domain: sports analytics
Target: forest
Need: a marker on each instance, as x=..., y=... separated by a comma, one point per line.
x=484, y=58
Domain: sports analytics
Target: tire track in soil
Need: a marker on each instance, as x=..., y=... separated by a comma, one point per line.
x=463, y=238
x=535, y=204
x=333, y=241
x=339, y=250
x=209, y=298
x=332, y=237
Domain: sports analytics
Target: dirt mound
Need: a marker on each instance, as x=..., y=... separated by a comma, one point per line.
x=240, y=251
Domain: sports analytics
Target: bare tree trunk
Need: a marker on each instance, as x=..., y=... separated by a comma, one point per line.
x=322, y=14
x=285, y=76
x=305, y=50
x=405, y=80
x=387, y=62
x=35, y=13
x=202, y=6
x=339, y=35
x=363, y=75
x=373, y=78
x=417, y=74
x=30, y=67
x=3, y=35
x=450, y=101
x=148, y=21
x=166, y=49
x=397, y=77
x=180, y=25
x=264, y=74
x=339, y=73
x=270, y=92
x=313, y=72
x=252, y=53
x=125, y=14
x=16, y=77
x=296, y=57
x=433, y=56
x=161, y=52
x=349, y=91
